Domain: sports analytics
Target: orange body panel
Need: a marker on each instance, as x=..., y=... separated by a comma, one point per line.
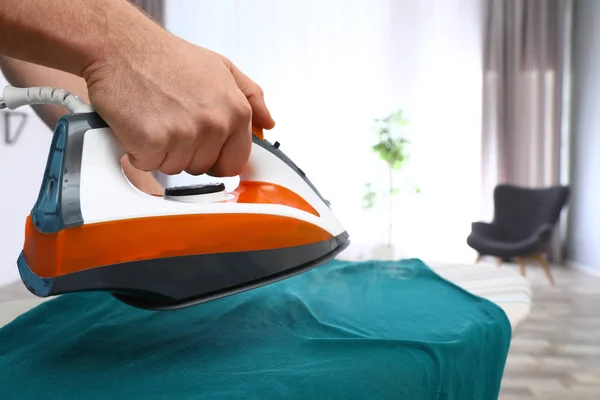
x=269, y=193
x=94, y=245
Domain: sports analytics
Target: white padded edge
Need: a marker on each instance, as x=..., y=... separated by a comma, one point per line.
x=502, y=286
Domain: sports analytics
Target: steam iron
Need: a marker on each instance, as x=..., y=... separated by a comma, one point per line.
x=92, y=230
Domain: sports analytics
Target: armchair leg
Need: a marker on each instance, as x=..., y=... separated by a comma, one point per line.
x=522, y=265
x=544, y=263
x=498, y=261
x=479, y=257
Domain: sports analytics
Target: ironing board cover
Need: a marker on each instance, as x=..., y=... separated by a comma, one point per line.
x=346, y=330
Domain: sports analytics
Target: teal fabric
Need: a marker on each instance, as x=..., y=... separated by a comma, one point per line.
x=346, y=330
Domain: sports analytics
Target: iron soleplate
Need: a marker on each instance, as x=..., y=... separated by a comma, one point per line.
x=180, y=282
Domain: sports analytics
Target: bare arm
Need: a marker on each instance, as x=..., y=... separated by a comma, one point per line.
x=70, y=35
x=24, y=74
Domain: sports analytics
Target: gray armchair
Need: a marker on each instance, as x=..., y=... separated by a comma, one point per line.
x=523, y=222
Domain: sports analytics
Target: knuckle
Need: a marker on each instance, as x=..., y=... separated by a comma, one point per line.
x=226, y=60
x=174, y=164
x=147, y=162
x=182, y=132
x=244, y=110
x=218, y=125
x=200, y=163
x=230, y=166
x=197, y=168
x=187, y=134
x=154, y=142
x=171, y=169
x=226, y=169
x=258, y=91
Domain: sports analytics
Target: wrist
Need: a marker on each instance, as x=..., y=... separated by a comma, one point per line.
x=126, y=41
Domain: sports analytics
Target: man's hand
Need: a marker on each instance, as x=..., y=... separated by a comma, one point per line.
x=174, y=106
x=178, y=107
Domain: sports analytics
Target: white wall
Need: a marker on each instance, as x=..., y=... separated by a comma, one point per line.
x=329, y=67
x=584, y=213
x=21, y=170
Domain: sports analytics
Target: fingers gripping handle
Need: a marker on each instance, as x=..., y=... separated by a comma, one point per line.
x=107, y=150
x=102, y=153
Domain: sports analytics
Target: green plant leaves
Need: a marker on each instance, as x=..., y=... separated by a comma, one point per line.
x=369, y=197
x=393, y=149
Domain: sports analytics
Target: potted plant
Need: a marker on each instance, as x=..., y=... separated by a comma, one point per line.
x=393, y=149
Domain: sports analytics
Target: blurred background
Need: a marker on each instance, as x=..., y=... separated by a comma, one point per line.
x=407, y=115
x=329, y=69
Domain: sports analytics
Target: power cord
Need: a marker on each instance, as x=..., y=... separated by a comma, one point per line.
x=14, y=97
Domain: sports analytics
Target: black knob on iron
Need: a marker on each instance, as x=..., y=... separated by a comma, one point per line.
x=194, y=189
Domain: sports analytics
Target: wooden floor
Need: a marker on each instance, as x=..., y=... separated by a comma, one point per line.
x=555, y=354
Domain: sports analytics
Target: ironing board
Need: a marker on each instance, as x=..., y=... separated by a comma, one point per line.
x=502, y=286
x=323, y=340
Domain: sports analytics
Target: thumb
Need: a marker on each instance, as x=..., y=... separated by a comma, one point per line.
x=255, y=95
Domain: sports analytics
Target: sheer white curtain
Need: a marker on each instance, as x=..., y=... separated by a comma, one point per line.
x=328, y=68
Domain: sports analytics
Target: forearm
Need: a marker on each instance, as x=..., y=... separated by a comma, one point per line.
x=71, y=35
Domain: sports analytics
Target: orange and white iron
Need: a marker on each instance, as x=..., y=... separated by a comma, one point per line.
x=91, y=229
